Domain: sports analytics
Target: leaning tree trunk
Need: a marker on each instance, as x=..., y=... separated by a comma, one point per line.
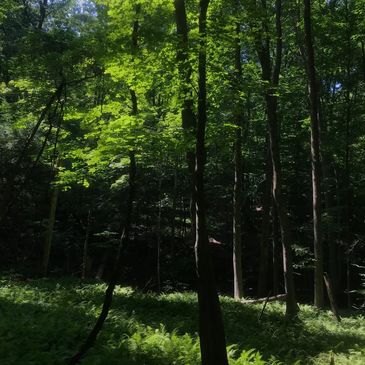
x=91, y=338
x=211, y=329
x=124, y=238
x=315, y=157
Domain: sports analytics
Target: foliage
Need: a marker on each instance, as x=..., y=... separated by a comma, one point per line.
x=43, y=320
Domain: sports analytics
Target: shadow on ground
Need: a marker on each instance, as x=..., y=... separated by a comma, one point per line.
x=43, y=323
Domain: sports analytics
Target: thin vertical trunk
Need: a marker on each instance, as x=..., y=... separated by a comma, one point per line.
x=363, y=58
x=315, y=158
x=211, y=329
x=237, y=217
x=54, y=199
x=238, y=184
x=275, y=250
x=173, y=215
x=262, y=288
x=49, y=230
x=86, y=259
x=158, y=262
x=348, y=238
x=187, y=114
x=271, y=75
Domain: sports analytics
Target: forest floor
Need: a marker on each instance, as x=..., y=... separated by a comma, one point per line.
x=42, y=322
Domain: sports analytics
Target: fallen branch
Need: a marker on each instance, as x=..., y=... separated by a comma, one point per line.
x=263, y=300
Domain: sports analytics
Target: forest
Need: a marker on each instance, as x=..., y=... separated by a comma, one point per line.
x=182, y=182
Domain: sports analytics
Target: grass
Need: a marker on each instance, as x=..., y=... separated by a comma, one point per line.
x=42, y=322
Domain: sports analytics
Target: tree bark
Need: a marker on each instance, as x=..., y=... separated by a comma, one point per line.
x=211, y=329
x=315, y=158
x=265, y=229
x=238, y=176
x=85, y=258
x=49, y=231
x=271, y=76
x=187, y=113
x=331, y=296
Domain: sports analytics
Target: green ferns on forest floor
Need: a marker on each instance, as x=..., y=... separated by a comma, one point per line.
x=42, y=322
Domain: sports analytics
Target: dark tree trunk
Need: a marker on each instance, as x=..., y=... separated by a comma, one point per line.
x=315, y=157
x=275, y=250
x=124, y=238
x=347, y=177
x=86, y=258
x=91, y=338
x=211, y=329
x=271, y=76
x=363, y=58
x=262, y=288
x=49, y=231
x=42, y=13
x=238, y=176
x=187, y=113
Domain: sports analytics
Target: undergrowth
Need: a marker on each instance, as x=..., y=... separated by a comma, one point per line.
x=42, y=322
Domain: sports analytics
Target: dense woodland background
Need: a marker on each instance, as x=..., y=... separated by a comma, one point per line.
x=102, y=107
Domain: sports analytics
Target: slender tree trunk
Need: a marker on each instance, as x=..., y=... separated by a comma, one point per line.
x=211, y=329
x=238, y=176
x=347, y=182
x=187, y=113
x=363, y=58
x=53, y=206
x=158, y=262
x=271, y=76
x=86, y=259
x=265, y=229
x=49, y=231
x=275, y=250
x=315, y=157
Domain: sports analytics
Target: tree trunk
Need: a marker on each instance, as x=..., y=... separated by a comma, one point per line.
x=238, y=175
x=49, y=231
x=315, y=158
x=211, y=329
x=91, y=338
x=124, y=238
x=271, y=76
x=275, y=250
x=347, y=177
x=86, y=258
x=187, y=114
x=43, y=4
x=265, y=229
x=158, y=261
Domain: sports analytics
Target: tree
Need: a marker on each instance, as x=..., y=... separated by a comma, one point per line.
x=211, y=330
x=270, y=75
x=238, y=174
x=315, y=156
